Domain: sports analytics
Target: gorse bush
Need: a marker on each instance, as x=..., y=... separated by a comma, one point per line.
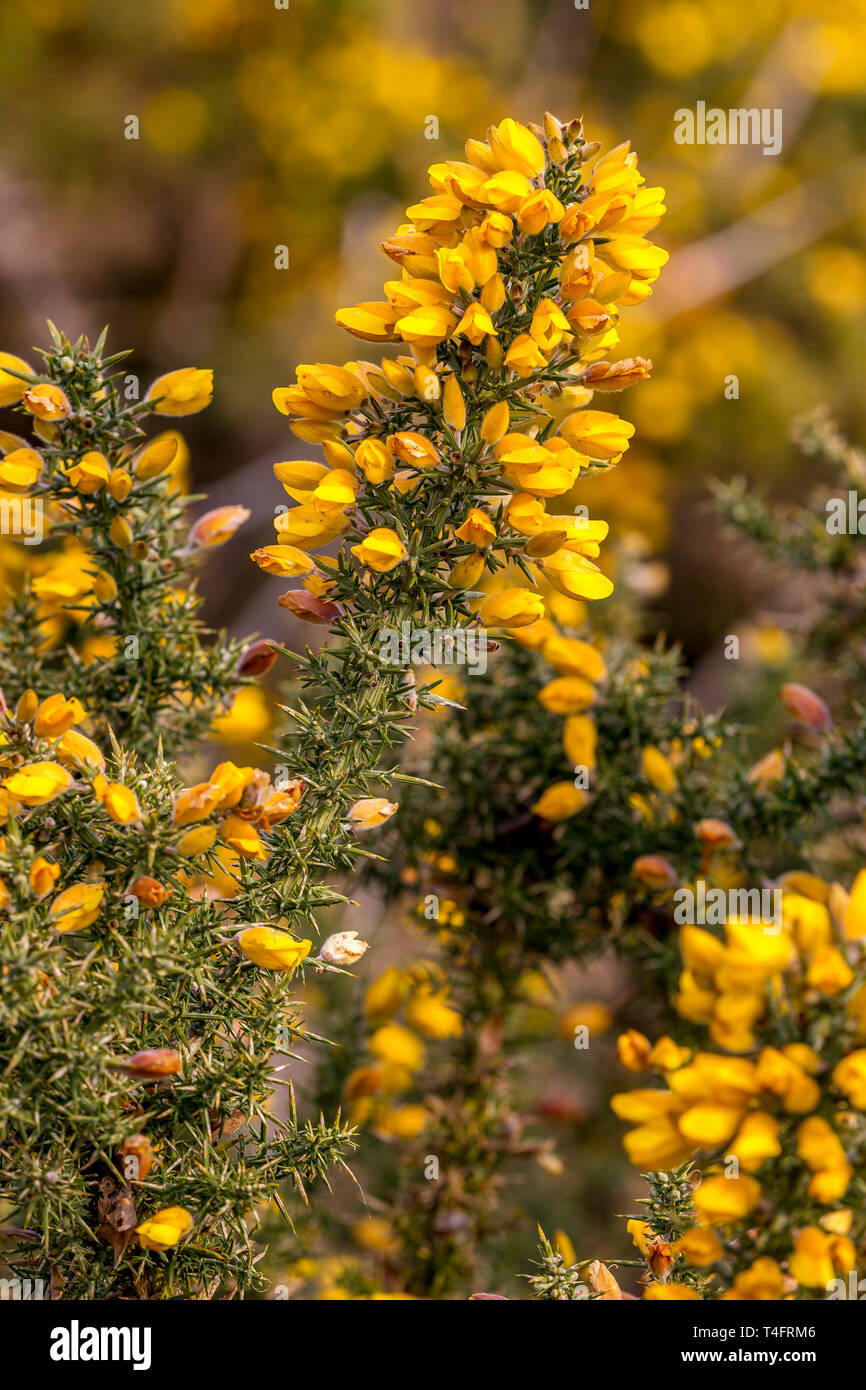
x=136, y=1034
x=568, y=800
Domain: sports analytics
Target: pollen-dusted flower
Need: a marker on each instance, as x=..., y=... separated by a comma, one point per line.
x=164, y=1229
x=47, y=402
x=272, y=949
x=218, y=526
x=77, y=907
x=381, y=550
x=371, y=811
x=56, y=714
x=343, y=948
x=36, y=783
x=185, y=391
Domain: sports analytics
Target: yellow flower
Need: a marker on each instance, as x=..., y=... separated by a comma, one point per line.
x=164, y=1229
x=73, y=747
x=381, y=549
x=89, y=473
x=183, y=392
x=77, y=907
x=829, y=971
x=511, y=608
x=272, y=949
x=21, y=467
x=119, y=801
x=670, y=1292
x=525, y=356
x=394, y=1043
x=559, y=802
x=11, y=388
x=513, y=146
x=634, y=1050
x=430, y=1013
x=56, y=714
x=757, y=1140
x=375, y=460
x=811, y=1263
x=548, y=325
x=538, y=210
x=155, y=457
x=571, y=657
x=371, y=811
x=196, y=841
x=699, y=1245
x=598, y=434
x=47, y=402
x=412, y=448
x=658, y=770
x=242, y=836
x=567, y=695
x=720, y=1201
x=576, y=576
x=477, y=529
x=427, y=325
x=285, y=561
x=43, y=876
x=762, y=1282
x=35, y=783
x=850, y=1076
x=476, y=324
x=387, y=994
x=855, y=909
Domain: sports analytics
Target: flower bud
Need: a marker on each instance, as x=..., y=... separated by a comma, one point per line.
x=151, y=1064
x=257, y=659
x=806, y=706
x=717, y=834
x=149, y=891
x=654, y=871
x=138, y=1148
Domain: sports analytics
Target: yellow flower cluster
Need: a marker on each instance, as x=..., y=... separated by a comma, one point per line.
x=507, y=301
x=791, y=994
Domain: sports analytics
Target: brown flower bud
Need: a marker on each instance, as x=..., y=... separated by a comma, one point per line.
x=153, y=1064
x=615, y=376
x=715, y=833
x=307, y=607
x=806, y=706
x=257, y=659
x=136, y=1157
x=149, y=891
x=488, y=1298
x=654, y=871
x=660, y=1259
